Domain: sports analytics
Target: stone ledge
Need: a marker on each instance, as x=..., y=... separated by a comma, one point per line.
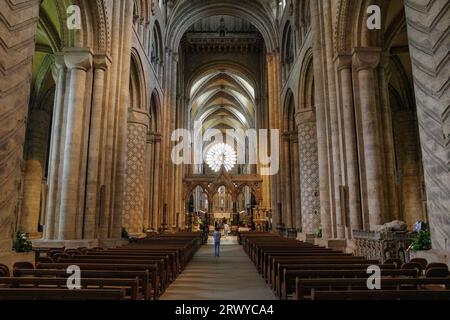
x=336, y=244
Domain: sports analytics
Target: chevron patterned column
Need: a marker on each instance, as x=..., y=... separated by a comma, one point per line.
x=429, y=41
x=18, y=23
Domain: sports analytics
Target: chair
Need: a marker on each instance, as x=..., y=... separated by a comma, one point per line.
x=436, y=265
x=395, y=261
x=23, y=265
x=437, y=272
x=412, y=266
x=423, y=262
x=4, y=271
x=44, y=260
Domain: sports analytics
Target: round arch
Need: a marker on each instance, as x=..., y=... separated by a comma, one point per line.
x=190, y=12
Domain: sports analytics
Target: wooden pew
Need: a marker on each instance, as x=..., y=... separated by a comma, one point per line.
x=146, y=281
x=131, y=286
x=59, y=294
x=303, y=287
x=381, y=295
x=288, y=285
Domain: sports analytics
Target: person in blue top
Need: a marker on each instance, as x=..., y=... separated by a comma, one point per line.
x=217, y=242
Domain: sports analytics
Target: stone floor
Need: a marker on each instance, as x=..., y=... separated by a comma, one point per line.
x=232, y=276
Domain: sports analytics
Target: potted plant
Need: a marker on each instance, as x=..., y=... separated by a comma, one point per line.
x=21, y=243
x=421, y=240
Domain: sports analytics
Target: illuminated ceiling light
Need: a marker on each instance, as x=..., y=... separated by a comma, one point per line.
x=220, y=155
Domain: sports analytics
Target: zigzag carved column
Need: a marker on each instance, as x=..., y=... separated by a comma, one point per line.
x=18, y=22
x=429, y=40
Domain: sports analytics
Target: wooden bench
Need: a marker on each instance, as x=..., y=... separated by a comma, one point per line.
x=381, y=295
x=303, y=287
x=59, y=294
x=131, y=286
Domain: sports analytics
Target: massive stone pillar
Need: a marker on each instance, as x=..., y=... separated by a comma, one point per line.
x=57, y=135
x=273, y=68
x=133, y=214
x=18, y=24
x=322, y=129
x=94, y=208
x=366, y=60
x=351, y=177
x=78, y=62
x=335, y=134
x=309, y=170
x=429, y=42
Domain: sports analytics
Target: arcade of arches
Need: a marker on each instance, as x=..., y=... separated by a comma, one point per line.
x=87, y=116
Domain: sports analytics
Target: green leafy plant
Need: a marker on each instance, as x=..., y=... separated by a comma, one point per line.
x=125, y=234
x=318, y=233
x=21, y=243
x=421, y=240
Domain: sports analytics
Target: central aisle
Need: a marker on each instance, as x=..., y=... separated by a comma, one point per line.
x=232, y=276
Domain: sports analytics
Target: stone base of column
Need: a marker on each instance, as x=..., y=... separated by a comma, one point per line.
x=336, y=244
x=9, y=258
x=306, y=237
x=440, y=256
x=291, y=233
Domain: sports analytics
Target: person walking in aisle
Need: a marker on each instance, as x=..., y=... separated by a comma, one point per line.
x=217, y=242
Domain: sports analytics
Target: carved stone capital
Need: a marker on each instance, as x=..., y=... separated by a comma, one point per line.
x=343, y=61
x=305, y=116
x=58, y=64
x=102, y=61
x=366, y=58
x=138, y=117
x=78, y=58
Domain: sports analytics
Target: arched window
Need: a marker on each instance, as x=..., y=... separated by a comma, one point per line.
x=156, y=52
x=288, y=51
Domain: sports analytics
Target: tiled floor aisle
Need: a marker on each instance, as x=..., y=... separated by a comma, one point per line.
x=232, y=276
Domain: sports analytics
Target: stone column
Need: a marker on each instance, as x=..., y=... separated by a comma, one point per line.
x=35, y=164
x=322, y=130
x=18, y=31
x=365, y=62
x=309, y=170
x=78, y=62
x=287, y=185
x=156, y=181
x=92, y=211
x=296, y=190
x=345, y=83
x=429, y=42
x=149, y=174
x=133, y=213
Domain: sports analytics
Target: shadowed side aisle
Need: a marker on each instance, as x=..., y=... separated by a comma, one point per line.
x=232, y=276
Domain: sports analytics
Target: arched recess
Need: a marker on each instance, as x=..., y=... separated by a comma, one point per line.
x=157, y=50
x=288, y=50
x=134, y=217
x=305, y=118
x=188, y=12
x=290, y=168
x=154, y=162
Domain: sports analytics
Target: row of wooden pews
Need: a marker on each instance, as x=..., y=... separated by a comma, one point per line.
x=302, y=271
x=141, y=270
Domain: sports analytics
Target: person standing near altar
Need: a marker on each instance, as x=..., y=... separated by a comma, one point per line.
x=217, y=242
